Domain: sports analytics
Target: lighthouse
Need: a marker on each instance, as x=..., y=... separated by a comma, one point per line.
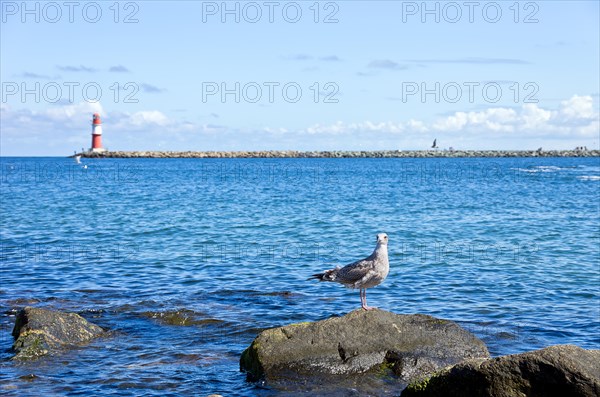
x=97, y=134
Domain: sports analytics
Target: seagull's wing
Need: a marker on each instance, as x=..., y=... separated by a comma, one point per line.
x=354, y=272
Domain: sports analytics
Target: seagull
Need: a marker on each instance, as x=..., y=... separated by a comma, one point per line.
x=434, y=146
x=362, y=274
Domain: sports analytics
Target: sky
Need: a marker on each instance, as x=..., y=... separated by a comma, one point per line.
x=299, y=75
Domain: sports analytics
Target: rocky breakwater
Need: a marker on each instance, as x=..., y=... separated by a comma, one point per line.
x=407, y=347
x=556, y=371
x=346, y=154
x=38, y=332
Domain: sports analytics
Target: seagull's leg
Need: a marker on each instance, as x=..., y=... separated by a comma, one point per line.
x=363, y=304
x=364, y=301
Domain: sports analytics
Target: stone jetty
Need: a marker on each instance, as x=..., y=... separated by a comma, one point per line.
x=346, y=154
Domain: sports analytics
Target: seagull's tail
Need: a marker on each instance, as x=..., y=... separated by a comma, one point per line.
x=327, y=275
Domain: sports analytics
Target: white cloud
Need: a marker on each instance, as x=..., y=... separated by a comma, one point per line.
x=70, y=126
x=148, y=119
x=416, y=125
x=534, y=117
x=575, y=117
x=574, y=122
x=451, y=123
x=68, y=112
x=493, y=119
x=339, y=127
x=578, y=107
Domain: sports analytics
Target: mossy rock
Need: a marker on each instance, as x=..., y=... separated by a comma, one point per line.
x=250, y=362
x=556, y=371
x=182, y=317
x=30, y=345
x=376, y=342
x=38, y=332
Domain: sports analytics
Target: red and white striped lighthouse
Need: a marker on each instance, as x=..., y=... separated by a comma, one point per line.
x=97, y=134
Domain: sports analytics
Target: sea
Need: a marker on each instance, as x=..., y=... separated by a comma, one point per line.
x=185, y=261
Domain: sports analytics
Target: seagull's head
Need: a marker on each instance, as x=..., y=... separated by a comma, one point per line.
x=382, y=238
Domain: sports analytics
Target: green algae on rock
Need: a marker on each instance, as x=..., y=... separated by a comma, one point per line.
x=412, y=346
x=562, y=370
x=38, y=332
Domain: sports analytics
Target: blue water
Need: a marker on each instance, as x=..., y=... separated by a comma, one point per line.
x=186, y=260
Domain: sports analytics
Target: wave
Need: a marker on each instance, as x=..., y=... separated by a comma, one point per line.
x=589, y=177
x=554, y=169
x=541, y=168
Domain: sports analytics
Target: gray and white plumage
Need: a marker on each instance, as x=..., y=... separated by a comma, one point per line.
x=362, y=274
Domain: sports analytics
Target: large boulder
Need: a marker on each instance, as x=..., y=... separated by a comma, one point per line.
x=562, y=370
x=412, y=346
x=39, y=331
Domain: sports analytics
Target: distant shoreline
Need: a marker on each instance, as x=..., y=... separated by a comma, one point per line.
x=346, y=154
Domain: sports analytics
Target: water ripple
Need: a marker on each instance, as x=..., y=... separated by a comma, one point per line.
x=187, y=260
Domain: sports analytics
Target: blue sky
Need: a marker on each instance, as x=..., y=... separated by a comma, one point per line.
x=302, y=75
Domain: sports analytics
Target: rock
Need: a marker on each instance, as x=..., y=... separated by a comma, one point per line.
x=412, y=346
x=338, y=154
x=39, y=331
x=182, y=317
x=562, y=370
